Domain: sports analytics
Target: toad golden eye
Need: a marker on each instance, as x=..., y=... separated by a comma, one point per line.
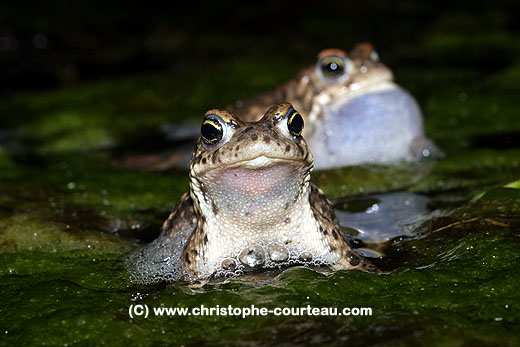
x=295, y=123
x=332, y=66
x=211, y=131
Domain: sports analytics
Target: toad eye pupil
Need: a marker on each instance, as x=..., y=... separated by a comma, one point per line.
x=332, y=67
x=211, y=131
x=295, y=124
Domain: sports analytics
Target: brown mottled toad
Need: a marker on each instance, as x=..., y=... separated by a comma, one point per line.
x=250, y=206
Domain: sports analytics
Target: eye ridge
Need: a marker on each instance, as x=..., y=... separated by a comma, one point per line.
x=211, y=131
x=295, y=123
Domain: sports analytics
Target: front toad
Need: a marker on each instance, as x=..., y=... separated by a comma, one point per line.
x=250, y=206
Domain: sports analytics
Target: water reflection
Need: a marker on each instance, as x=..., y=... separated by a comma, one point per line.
x=376, y=219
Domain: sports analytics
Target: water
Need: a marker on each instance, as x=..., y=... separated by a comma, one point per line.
x=382, y=217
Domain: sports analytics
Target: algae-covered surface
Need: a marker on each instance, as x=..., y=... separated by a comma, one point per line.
x=69, y=215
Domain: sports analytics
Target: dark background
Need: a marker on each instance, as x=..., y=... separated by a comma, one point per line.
x=55, y=44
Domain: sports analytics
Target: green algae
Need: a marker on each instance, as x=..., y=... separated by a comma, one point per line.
x=69, y=215
x=462, y=285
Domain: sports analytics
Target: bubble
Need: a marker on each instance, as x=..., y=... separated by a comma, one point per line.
x=252, y=256
x=305, y=256
x=373, y=209
x=277, y=252
x=229, y=264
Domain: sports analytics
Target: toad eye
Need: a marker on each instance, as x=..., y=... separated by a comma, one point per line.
x=295, y=123
x=211, y=130
x=332, y=66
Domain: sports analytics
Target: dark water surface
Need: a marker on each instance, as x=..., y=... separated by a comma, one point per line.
x=82, y=88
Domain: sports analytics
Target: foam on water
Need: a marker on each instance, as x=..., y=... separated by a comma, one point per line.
x=161, y=260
